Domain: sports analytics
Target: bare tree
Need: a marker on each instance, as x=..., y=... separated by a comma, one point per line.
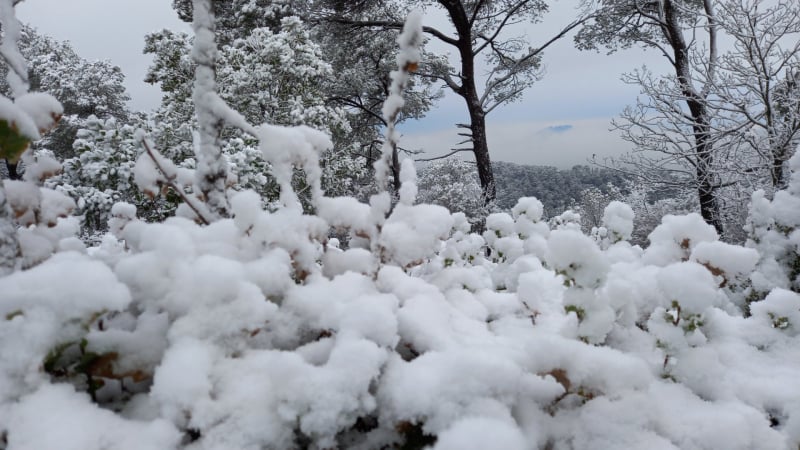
x=758, y=94
x=676, y=119
x=481, y=30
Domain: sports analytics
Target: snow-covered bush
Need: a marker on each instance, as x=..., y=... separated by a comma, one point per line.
x=256, y=330
x=650, y=204
x=617, y=224
x=774, y=231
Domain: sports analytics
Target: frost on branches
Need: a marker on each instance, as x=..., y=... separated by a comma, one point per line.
x=260, y=331
x=454, y=184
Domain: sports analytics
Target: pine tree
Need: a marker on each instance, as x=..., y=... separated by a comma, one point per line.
x=272, y=73
x=84, y=88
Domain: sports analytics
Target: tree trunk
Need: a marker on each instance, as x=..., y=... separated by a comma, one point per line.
x=469, y=92
x=778, y=158
x=706, y=190
x=13, y=171
x=396, y=171
x=480, y=148
x=703, y=145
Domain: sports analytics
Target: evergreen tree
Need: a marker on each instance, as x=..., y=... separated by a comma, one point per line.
x=272, y=73
x=454, y=184
x=84, y=88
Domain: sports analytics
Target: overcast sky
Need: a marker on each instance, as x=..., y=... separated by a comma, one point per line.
x=107, y=29
x=562, y=120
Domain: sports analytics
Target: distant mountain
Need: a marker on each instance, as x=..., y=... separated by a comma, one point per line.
x=557, y=189
x=556, y=129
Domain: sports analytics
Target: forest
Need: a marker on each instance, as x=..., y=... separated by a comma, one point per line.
x=260, y=262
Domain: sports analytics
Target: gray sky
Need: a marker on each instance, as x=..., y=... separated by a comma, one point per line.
x=579, y=89
x=578, y=95
x=107, y=29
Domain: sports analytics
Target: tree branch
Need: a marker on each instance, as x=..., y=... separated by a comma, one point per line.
x=389, y=25
x=457, y=150
x=171, y=181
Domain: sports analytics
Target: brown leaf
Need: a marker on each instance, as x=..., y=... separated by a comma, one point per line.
x=561, y=376
x=103, y=365
x=717, y=272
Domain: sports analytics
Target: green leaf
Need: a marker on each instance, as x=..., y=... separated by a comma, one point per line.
x=11, y=315
x=12, y=142
x=580, y=312
x=50, y=362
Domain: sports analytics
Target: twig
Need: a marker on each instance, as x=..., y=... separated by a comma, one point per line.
x=435, y=158
x=171, y=181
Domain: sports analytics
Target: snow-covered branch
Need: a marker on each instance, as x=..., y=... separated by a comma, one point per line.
x=18, y=69
x=22, y=121
x=212, y=169
x=407, y=62
x=169, y=176
x=17, y=79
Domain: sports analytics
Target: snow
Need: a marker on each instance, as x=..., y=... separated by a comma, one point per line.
x=60, y=285
x=288, y=147
x=410, y=234
x=409, y=40
x=618, y=220
x=361, y=325
x=780, y=309
x=257, y=329
x=41, y=167
x=357, y=260
x=181, y=381
x=577, y=257
x=57, y=417
x=212, y=169
x=18, y=73
x=42, y=108
x=668, y=416
x=17, y=118
x=675, y=238
x=346, y=213
x=479, y=433
x=732, y=261
x=408, y=178
x=530, y=207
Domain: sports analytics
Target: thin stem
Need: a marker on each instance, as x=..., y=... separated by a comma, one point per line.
x=171, y=181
